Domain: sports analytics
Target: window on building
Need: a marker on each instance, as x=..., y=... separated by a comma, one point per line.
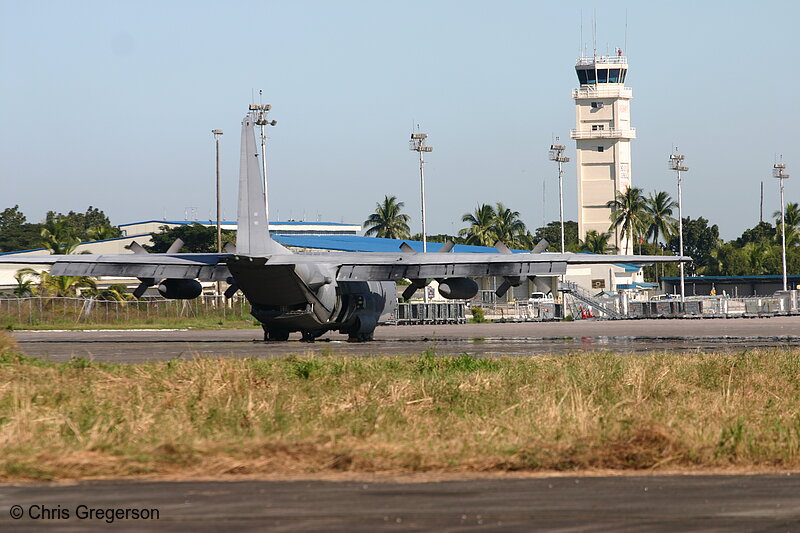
x=596, y=127
x=601, y=148
x=582, y=77
x=590, y=76
x=602, y=75
x=613, y=75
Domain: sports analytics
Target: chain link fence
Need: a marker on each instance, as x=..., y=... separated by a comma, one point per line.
x=33, y=311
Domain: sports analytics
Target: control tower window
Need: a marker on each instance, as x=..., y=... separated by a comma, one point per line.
x=602, y=75
x=601, y=148
x=590, y=76
x=622, y=75
x=581, y=77
x=613, y=75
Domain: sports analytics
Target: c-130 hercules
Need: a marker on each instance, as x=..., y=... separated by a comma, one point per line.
x=319, y=292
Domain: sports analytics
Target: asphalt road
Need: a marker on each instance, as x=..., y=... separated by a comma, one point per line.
x=648, y=503
x=478, y=339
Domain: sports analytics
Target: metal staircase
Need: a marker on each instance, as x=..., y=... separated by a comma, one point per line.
x=582, y=295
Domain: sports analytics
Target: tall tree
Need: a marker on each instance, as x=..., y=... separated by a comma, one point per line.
x=59, y=237
x=481, y=230
x=628, y=215
x=387, y=221
x=699, y=240
x=196, y=238
x=660, y=222
x=508, y=228
x=791, y=214
x=552, y=233
x=596, y=243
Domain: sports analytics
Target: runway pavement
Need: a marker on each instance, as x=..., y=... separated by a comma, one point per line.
x=623, y=503
x=478, y=339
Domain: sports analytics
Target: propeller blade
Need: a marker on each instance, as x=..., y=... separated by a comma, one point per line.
x=540, y=247
x=175, y=247
x=406, y=249
x=137, y=248
x=541, y=284
x=446, y=247
x=229, y=248
x=230, y=291
x=409, y=292
x=503, y=289
x=502, y=248
x=139, y=291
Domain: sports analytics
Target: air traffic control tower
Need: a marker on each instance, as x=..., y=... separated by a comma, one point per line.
x=603, y=136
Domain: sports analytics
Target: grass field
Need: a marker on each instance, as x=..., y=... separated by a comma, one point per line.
x=424, y=413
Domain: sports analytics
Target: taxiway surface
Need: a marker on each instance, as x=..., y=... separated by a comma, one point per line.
x=621, y=503
x=477, y=339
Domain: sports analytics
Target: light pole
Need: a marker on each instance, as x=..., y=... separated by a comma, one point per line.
x=417, y=144
x=217, y=134
x=676, y=164
x=261, y=111
x=778, y=172
x=557, y=155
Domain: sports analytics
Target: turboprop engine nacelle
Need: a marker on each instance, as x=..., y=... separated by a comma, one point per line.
x=458, y=288
x=180, y=289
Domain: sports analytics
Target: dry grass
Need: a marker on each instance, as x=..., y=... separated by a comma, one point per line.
x=211, y=417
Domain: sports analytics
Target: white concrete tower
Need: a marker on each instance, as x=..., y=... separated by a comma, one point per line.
x=603, y=136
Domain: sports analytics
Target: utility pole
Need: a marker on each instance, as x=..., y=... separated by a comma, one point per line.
x=778, y=172
x=676, y=164
x=217, y=134
x=261, y=111
x=557, y=155
x=417, y=144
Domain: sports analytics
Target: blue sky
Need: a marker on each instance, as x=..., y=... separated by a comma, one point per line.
x=112, y=103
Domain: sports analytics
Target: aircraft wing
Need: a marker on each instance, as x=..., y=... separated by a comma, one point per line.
x=205, y=267
x=369, y=266
x=363, y=266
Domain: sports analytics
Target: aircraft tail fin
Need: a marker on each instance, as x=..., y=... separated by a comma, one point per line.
x=252, y=233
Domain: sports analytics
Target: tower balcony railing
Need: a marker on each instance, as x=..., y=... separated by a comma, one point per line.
x=602, y=60
x=603, y=90
x=612, y=133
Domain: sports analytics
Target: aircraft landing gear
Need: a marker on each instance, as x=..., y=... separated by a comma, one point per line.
x=309, y=335
x=273, y=334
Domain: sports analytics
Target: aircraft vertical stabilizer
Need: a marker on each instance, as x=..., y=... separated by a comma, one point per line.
x=252, y=234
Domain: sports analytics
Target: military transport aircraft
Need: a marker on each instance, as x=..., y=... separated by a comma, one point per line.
x=315, y=292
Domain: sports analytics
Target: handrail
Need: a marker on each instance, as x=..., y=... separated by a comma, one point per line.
x=612, y=133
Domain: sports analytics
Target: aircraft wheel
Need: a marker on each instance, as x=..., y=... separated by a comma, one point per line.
x=310, y=335
x=276, y=335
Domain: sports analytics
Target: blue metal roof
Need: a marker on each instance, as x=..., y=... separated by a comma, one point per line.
x=233, y=222
x=760, y=277
x=358, y=243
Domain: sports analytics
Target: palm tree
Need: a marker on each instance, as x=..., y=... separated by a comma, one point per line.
x=481, y=230
x=661, y=223
x=24, y=286
x=387, y=221
x=508, y=227
x=628, y=215
x=792, y=217
x=59, y=238
x=596, y=243
x=64, y=286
